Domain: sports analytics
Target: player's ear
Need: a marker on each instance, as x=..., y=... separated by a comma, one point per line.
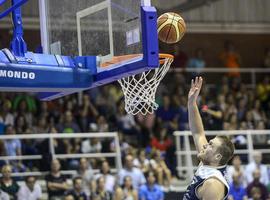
x=218, y=157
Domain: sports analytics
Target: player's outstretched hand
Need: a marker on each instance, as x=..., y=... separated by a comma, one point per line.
x=195, y=89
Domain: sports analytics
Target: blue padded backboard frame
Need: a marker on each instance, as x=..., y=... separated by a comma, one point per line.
x=56, y=75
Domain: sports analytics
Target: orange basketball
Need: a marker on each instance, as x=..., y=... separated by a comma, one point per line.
x=171, y=27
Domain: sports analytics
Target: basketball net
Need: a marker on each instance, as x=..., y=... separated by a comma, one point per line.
x=140, y=90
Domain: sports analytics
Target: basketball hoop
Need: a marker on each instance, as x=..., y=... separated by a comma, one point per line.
x=140, y=90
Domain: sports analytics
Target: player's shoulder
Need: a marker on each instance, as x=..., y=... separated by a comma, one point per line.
x=213, y=182
x=212, y=186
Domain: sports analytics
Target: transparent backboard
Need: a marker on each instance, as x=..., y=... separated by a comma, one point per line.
x=107, y=28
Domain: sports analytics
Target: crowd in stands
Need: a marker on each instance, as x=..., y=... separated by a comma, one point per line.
x=147, y=142
x=249, y=182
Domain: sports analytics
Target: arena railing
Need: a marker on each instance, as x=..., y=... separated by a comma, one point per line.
x=116, y=155
x=252, y=71
x=187, y=161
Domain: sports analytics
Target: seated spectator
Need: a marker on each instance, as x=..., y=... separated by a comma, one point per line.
x=86, y=173
x=7, y=184
x=197, y=62
x=160, y=168
x=266, y=60
x=2, y=153
x=101, y=193
x=109, y=179
x=151, y=190
x=122, y=142
x=182, y=112
x=13, y=146
x=68, y=125
x=237, y=168
x=91, y=145
x=77, y=191
x=257, y=164
x=126, y=191
x=231, y=59
x=6, y=115
x=237, y=190
x=56, y=182
x=166, y=113
x=129, y=170
x=212, y=116
x=180, y=57
x=30, y=190
x=256, y=183
x=141, y=161
x=162, y=141
x=263, y=91
x=126, y=122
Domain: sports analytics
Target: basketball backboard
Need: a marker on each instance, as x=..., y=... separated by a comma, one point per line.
x=104, y=28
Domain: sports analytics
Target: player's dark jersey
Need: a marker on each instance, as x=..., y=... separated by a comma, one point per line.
x=203, y=173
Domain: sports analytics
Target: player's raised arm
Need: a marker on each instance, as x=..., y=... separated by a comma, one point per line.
x=195, y=120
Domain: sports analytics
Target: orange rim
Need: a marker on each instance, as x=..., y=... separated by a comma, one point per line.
x=164, y=56
x=117, y=59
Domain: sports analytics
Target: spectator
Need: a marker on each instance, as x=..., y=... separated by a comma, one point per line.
x=86, y=173
x=151, y=190
x=213, y=116
x=6, y=115
x=129, y=170
x=77, y=191
x=126, y=122
x=257, y=164
x=237, y=190
x=162, y=141
x=30, y=190
x=141, y=161
x=13, y=147
x=180, y=57
x=257, y=112
x=263, y=91
x=109, y=179
x=56, y=182
x=87, y=113
x=7, y=184
x=231, y=59
x=68, y=125
x=256, y=183
x=21, y=124
x=160, y=168
x=42, y=125
x=25, y=105
x=102, y=124
x=101, y=193
x=91, y=145
x=126, y=192
x=166, y=113
x=182, y=112
x=266, y=60
x=2, y=153
x=238, y=169
x=197, y=62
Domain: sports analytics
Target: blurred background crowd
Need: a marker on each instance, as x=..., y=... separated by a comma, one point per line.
x=147, y=142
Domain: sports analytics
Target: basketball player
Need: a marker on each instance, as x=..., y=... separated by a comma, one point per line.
x=209, y=182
